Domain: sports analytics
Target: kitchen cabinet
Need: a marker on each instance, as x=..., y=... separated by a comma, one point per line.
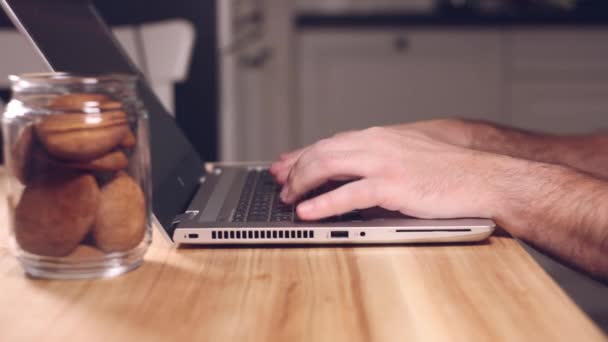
x=356, y=79
x=560, y=106
x=255, y=48
x=319, y=80
x=545, y=79
x=558, y=79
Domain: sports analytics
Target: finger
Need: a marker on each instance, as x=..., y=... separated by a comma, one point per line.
x=326, y=166
x=276, y=168
x=360, y=194
x=281, y=172
x=280, y=169
x=292, y=154
x=342, y=141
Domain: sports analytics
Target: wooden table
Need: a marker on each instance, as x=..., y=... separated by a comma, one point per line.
x=476, y=292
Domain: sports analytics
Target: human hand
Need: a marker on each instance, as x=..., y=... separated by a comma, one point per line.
x=400, y=170
x=459, y=132
x=452, y=131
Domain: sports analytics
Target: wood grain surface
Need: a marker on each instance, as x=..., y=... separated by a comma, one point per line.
x=489, y=291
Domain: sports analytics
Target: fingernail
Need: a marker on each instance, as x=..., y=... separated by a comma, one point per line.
x=284, y=193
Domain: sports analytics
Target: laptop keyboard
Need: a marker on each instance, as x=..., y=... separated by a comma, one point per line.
x=260, y=201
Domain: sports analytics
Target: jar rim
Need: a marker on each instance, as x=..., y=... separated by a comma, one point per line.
x=70, y=78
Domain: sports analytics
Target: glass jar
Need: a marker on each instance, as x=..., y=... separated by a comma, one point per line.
x=77, y=155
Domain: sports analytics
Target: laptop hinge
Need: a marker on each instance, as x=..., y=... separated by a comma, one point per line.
x=187, y=216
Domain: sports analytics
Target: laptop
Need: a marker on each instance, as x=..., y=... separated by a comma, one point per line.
x=219, y=204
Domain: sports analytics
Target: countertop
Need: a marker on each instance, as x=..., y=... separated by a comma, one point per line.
x=487, y=291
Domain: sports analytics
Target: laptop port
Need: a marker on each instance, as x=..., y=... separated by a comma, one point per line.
x=339, y=234
x=192, y=236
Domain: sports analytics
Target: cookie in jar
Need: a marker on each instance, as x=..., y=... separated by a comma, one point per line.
x=76, y=150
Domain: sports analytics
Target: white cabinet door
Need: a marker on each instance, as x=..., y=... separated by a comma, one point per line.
x=558, y=79
x=356, y=79
x=560, y=107
x=256, y=79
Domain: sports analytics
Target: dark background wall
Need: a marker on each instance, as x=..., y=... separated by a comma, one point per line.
x=196, y=99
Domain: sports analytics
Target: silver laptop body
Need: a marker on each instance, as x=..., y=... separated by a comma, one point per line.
x=223, y=204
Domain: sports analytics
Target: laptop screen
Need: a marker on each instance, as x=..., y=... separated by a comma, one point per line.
x=71, y=37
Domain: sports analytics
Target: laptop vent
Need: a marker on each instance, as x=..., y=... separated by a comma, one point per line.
x=238, y=234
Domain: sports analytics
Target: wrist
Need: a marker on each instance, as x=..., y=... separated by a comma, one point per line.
x=483, y=136
x=472, y=134
x=454, y=131
x=512, y=185
x=523, y=192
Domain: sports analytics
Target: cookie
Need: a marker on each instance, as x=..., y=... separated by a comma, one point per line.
x=82, y=137
x=79, y=101
x=120, y=224
x=28, y=158
x=86, y=252
x=58, y=123
x=113, y=161
x=55, y=213
x=21, y=154
x=129, y=141
x=110, y=105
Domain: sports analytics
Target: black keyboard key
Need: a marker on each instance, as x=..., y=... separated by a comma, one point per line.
x=260, y=202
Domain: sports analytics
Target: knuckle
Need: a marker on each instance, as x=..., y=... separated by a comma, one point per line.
x=323, y=144
x=329, y=160
x=346, y=155
x=376, y=130
x=326, y=162
x=344, y=134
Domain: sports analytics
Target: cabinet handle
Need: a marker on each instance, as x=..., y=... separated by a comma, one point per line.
x=257, y=59
x=401, y=44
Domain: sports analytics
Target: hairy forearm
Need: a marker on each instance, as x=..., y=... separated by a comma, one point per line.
x=558, y=210
x=586, y=153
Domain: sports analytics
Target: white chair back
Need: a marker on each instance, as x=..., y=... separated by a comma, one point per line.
x=164, y=56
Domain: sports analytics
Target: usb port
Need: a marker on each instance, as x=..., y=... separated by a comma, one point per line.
x=339, y=234
x=192, y=236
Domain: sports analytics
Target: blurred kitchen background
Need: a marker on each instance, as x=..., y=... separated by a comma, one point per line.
x=296, y=71
x=247, y=79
